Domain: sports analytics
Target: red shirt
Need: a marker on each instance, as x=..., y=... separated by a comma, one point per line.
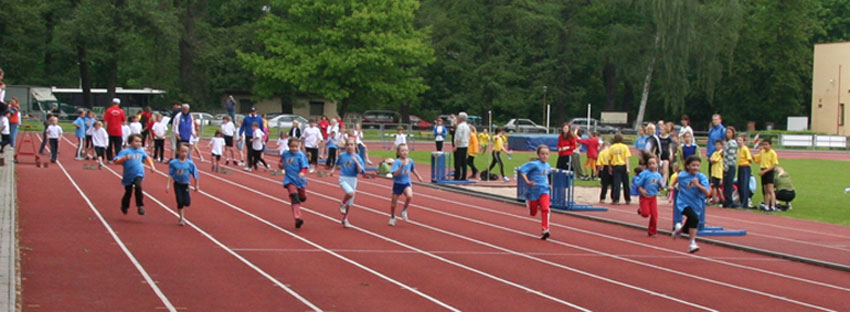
x=149, y=120
x=570, y=143
x=323, y=127
x=592, y=147
x=114, y=118
x=13, y=118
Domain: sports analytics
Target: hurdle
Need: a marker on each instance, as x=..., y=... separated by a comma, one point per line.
x=702, y=228
x=439, y=169
x=561, y=190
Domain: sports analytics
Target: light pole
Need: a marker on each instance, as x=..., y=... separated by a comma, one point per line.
x=545, y=114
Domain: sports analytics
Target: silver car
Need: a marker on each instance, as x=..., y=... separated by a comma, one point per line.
x=219, y=119
x=202, y=118
x=523, y=125
x=284, y=121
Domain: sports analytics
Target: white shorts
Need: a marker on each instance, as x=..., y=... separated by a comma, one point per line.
x=348, y=184
x=195, y=140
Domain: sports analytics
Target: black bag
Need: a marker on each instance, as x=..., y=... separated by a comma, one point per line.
x=492, y=176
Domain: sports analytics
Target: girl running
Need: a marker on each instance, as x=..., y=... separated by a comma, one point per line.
x=402, y=168
x=217, y=148
x=179, y=171
x=295, y=164
x=350, y=165
x=690, y=200
x=499, y=145
x=134, y=172
x=535, y=173
x=649, y=182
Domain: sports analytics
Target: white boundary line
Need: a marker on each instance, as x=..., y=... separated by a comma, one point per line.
x=566, y=244
x=127, y=252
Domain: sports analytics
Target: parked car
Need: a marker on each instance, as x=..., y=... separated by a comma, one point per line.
x=419, y=123
x=381, y=116
x=219, y=119
x=581, y=123
x=475, y=120
x=202, y=118
x=523, y=125
x=284, y=121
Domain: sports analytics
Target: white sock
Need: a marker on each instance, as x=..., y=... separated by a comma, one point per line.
x=693, y=241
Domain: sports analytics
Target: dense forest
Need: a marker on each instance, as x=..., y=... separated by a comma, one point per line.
x=750, y=60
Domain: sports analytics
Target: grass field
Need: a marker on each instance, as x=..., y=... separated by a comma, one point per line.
x=820, y=195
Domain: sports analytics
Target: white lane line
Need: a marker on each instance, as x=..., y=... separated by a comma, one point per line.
x=626, y=285
x=423, y=252
x=123, y=247
x=705, y=279
x=619, y=239
x=231, y=252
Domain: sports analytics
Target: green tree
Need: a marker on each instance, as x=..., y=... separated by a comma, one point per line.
x=342, y=50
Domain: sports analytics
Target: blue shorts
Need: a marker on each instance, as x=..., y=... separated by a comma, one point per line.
x=348, y=184
x=398, y=188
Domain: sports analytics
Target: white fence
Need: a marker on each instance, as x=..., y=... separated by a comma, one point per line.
x=813, y=141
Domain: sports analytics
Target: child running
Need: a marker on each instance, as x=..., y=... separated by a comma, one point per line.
x=217, y=148
x=100, y=141
x=690, y=200
x=256, y=148
x=768, y=160
x=179, y=171
x=134, y=172
x=535, y=173
x=402, y=168
x=295, y=165
x=649, y=182
x=80, y=132
x=350, y=165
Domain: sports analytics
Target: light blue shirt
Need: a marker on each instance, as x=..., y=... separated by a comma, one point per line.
x=537, y=172
x=81, y=130
x=133, y=167
x=404, y=177
x=691, y=196
x=346, y=164
x=650, y=181
x=293, y=164
x=180, y=170
x=717, y=133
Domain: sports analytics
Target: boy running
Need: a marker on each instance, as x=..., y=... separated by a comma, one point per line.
x=179, y=171
x=134, y=172
x=690, y=200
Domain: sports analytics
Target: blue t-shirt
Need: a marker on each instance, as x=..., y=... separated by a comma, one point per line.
x=404, y=177
x=293, y=164
x=640, y=143
x=331, y=143
x=633, y=188
x=180, y=170
x=652, y=182
x=81, y=131
x=89, y=123
x=346, y=164
x=537, y=172
x=717, y=133
x=691, y=196
x=133, y=167
x=186, y=126
x=687, y=151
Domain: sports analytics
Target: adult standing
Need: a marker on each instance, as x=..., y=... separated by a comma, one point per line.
x=452, y=127
x=716, y=133
x=14, y=120
x=730, y=163
x=245, y=129
x=147, y=123
x=114, y=118
x=461, y=144
x=183, y=126
x=230, y=106
x=312, y=141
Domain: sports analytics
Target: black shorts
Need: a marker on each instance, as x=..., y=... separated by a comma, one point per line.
x=767, y=178
x=228, y=140
x=88, y=141
x=181, y=191
x=216, y=157
x=100, y=151
x=785, y=195
x=715, y=182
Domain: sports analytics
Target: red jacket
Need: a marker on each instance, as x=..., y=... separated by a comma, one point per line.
x=114, y=118
x=592, y=147
x=570, y=143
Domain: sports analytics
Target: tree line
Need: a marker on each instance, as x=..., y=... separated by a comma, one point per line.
x=750, y=60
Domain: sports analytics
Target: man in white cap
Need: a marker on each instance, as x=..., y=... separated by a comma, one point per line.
x=461, y=143
x=114, y=118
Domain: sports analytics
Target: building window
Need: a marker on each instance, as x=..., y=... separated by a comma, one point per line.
x=317, y=108
x=841, y=114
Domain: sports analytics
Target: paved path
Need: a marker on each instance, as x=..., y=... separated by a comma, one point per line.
x=8, y=250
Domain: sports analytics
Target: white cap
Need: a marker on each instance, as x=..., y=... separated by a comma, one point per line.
x=462, y=115
x=185, y=105
x=116, y=100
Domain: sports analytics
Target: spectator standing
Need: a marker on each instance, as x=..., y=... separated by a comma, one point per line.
x=245, y=129
x=461, y=144
x=115, y=119
x=230, y=106
x=14, y=120
x=183, y=126
x=730, y=163
x=716, y=133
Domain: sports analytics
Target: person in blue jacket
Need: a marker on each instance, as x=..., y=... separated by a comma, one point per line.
x=440, y=133
x=690, y=199
x=245, y=130
x=716, y=133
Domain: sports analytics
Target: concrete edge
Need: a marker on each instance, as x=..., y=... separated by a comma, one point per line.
x=781, y=255
x=11, y=258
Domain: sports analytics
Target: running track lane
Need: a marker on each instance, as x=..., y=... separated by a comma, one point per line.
x=161, y=247
x=384, y=219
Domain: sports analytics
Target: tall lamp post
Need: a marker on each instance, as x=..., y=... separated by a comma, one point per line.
x=545, y=110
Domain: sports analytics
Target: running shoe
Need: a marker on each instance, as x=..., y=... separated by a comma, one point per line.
x=298, y=223
x=404, y=214
x=343, y=209
x=124, y=210
x=181, y=223
x=506, y=179
x=693, y=247
x=141, y=211
x=345, y=223
x=247, y=169
x=677, y=230
x=545, y=235
x=392, y=221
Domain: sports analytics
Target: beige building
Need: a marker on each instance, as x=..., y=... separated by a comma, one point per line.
x=307, y=107
x=831, y=88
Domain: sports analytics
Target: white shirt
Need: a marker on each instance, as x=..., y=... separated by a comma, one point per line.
x=439, y=136
x=400, y=139
x=54, y=132
x=99, y=137
x=159, y=130
x=282, y=144
x=228, y=129
x=334, y=128
x=125, y=132
x=135, y=127
x=312, y=135
x=4, y=125
x=217, y=145
x=462, y=135
x=358, y=137
x=257, y=143
x=686, y=129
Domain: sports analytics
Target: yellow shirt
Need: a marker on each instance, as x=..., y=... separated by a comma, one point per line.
x=767, y=159
x=717, y=164
x=619, y=152
x=744, y=156
x=483, y=138
x=473, y=145
x=674, y=178
x=602, y=159
x=498, y=143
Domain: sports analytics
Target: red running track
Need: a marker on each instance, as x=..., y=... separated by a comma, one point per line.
x=458, y=252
